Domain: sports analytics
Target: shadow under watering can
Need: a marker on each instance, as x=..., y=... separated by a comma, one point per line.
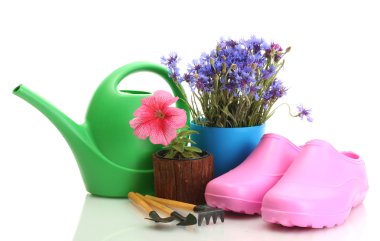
x=111, y=159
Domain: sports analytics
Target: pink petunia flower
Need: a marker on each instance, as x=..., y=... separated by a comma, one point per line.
x=154, y=118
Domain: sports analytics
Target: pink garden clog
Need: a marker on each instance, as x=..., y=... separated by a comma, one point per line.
x=318, y=190
x=243, y=188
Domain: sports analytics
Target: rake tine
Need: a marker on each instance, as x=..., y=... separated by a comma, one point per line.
x=204, y=211
x=207, y=216
x=214, y=217
x=207, y=219
x=200, y=219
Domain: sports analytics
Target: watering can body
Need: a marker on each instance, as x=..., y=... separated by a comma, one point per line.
x=112, y=160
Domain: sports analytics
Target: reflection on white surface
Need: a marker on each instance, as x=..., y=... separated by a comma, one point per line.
x=117, y=219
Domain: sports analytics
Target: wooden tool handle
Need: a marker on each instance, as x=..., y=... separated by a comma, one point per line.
x=157, y=205
x=176, y=204
x=139, y=202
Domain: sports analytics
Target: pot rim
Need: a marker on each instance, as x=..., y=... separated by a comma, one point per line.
x=215, y=127
x=207, y=154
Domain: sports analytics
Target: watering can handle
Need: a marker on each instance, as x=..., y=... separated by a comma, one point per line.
x=112, y=81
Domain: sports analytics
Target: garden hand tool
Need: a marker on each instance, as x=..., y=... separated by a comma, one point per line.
x=152, y=214
x=190, y=219
x=204, y=211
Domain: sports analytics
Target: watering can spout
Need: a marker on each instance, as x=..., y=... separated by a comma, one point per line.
x=71, y=131
x=96, y=169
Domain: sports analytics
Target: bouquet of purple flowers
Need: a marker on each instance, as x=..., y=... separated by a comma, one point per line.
x=235, y=85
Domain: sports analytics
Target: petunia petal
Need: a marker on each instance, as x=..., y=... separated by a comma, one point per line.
x=142, y=131
x=135, y=122
x=145, y=112
x=150, y=102
x=164, y=98
x=175, y=117
x=159, y=100
x=162, y=133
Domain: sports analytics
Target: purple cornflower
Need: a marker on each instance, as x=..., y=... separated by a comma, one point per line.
x=244, y=83
x=231, y=43
x=202, y=84
x=171, y=61
x=195, y=67
x=188, y=77
x=174, y=74
x=254, y=44
x=254, y=90
x=303, y=112
x=218, y=66
x=278, y=88
x=275, y=47
x=268, y=73
x=227, y=43
x=260, y=60
x=230, y=87
x=275, y=91
x=205, y=58
x=206, y=70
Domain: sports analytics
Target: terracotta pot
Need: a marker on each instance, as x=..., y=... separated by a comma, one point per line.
x=182, y=179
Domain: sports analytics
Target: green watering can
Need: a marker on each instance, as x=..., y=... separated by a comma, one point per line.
x=111, y=159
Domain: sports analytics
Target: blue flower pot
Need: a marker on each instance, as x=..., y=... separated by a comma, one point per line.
x=230, y=146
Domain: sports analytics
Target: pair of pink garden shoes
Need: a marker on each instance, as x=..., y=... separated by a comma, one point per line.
x=310, y=186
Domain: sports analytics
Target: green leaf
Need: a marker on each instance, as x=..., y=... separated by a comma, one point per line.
x=170, y=154
x=268, y=116
x=186, y=154
x=187, y=133
x=178, y=147
x=194, y=154
x=225, y=110
x=189, y=141
x=193, y=149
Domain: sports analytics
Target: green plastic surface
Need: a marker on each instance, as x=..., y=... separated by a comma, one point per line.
x=111, y=159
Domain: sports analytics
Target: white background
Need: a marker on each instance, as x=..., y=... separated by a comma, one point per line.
x=64, y=49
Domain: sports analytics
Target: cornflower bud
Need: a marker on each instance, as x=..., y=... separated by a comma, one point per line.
x=212, y=62
x=224, y=68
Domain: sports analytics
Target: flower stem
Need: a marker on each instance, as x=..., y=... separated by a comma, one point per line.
x=289, y=109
